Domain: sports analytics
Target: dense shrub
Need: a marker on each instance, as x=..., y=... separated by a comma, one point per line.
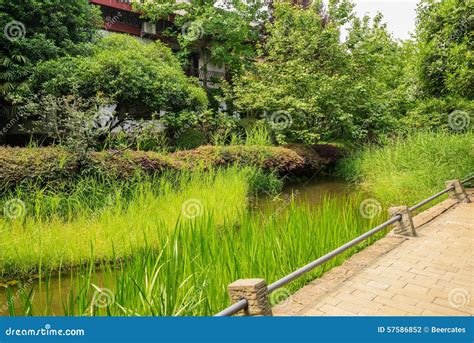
x=190, y=139
x=19, y=164
x=277, y=159
x=44, y=164
x=124, y=164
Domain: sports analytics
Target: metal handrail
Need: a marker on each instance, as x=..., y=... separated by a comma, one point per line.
x=468, y=179
x=242, y=304
x=233, y=309
x=310, y=266
x=431, y=198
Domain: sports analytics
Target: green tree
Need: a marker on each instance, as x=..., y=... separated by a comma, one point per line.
x=37, y=30
x=311, y=86
x=439, y=67
x=445, y=33
x=122, y=69
x=224, y=35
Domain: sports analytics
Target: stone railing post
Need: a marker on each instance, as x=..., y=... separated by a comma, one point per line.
x=256, y=293
x=403, y=227
x=458, y=193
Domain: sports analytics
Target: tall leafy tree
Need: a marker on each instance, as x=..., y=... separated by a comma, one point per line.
x=37, y=30
x=445, y=33
x=325, y=88
x=223, y=32
x=440, y=66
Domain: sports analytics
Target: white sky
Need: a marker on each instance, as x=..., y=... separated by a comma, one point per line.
x=398, y=14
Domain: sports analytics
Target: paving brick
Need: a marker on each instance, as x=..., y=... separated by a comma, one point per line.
x=398, y=305
x=415, y=289
x=351, y=307
x=391, y=311
x=404, y=299
x=379, y=285
x=330, y=310
x=445, y=310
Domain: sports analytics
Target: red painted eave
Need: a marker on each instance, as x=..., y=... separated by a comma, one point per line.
x=122, y=28
x=114, y=4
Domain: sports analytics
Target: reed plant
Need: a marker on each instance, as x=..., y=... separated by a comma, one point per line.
x=184, y=270
x=405, y=170
x=61, y=226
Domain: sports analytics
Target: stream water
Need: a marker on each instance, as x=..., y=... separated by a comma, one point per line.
x=58, y=288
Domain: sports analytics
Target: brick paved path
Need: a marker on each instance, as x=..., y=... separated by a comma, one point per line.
x=429, y=275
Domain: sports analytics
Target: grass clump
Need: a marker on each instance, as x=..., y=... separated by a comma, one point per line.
x=185, y=271
x=111, y=219
x=405, y=170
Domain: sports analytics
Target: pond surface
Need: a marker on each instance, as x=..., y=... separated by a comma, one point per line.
x=58, y=289
x=309, y=193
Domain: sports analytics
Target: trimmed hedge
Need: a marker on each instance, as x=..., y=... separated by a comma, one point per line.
x=123, y=164
x=19, y=164
x=45, y=164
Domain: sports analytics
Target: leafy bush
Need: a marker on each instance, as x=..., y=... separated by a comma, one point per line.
x=20, y=164
x=190, y=139
x=48, y=29
x=68, y=120
x=433, y=113
x=124, y=164
x=123, y=69
x=283, y=160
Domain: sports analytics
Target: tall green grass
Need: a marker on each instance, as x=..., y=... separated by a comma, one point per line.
x=406, y=170
x=112, y=219
x=185, y=271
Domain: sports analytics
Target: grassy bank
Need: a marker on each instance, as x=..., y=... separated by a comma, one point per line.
x=62, y=226
x=185, y=270
x=409, y=169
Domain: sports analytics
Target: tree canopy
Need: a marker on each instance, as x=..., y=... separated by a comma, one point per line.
x=122, y=69
x=37, y=30
x=445, y=34
x=324, y=87
x=223, y=32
